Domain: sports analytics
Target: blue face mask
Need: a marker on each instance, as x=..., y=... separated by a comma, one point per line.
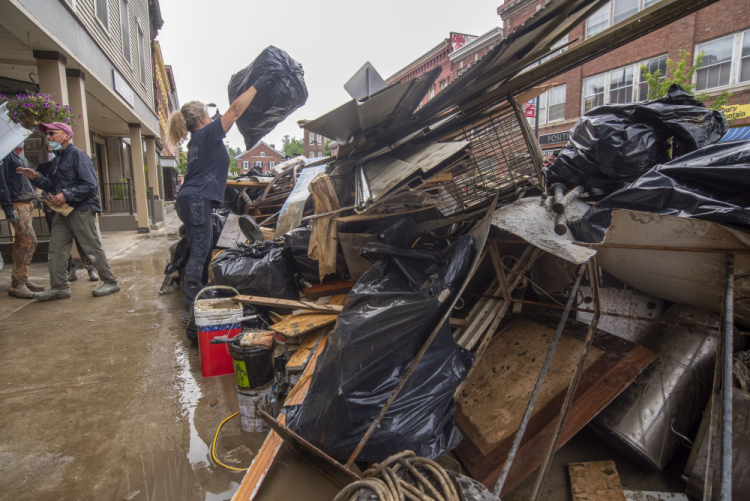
x=55, y=146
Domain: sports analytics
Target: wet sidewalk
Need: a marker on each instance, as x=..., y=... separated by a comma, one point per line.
x=103, y=397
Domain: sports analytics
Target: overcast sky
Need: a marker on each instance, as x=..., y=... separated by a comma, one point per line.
x=207, y=41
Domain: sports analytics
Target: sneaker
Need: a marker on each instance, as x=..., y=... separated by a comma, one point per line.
x=20, y=291
x=72, y=277
x=93, y=275
x=106, y=288
x=58, y=292
x=34, y=287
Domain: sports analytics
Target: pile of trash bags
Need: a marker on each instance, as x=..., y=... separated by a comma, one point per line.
x=286, y=93
x=617, y=143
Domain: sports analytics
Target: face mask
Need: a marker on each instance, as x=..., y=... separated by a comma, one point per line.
x=55, y=146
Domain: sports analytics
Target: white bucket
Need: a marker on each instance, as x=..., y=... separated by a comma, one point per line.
x=252, y=401
x=11, y=134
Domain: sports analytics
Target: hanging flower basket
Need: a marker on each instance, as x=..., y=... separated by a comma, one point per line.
x=30, y=110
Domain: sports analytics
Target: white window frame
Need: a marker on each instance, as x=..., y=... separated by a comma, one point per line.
x=542, y=110
x=312, y=138
x=319, y=141
x=635, y=97
x=432, y=93
x=245, y=165
x=126, y=17
x=259, y=164
x=141, y=38
x=271, y=165
x=734, y=70
x=262, y=153
x=105, y=26
x=642, y=5
x=639, y=77
x=745, y=36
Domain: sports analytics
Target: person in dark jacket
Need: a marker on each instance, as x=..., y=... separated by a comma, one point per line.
x=73, y=183
x=205, y=180
x=17, y=199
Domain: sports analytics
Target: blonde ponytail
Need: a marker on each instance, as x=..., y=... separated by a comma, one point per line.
x=184, y=121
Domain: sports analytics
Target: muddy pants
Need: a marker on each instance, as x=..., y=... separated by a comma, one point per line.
x=50, y=216
x=24, y=243
x=81, y=225
x=195, y=213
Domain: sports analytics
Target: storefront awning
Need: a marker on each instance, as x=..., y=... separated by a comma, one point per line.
x=737, y=134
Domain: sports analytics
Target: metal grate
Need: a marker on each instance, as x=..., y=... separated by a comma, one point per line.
x=499, y=162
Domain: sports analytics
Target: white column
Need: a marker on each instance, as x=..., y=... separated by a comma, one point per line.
x=153, y=165
x=77, y=98
x=139, y=177
x=52, y=80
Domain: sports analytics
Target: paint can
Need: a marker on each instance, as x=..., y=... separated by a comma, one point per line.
x=216, y=318
x=253, y=401
x=254, y=374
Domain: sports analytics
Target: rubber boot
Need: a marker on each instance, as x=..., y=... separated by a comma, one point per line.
x=72, y=277
x=93, y=275
x=34, y=287
x=58, y=292
x=20, y=290
x=106, y=288
x=187, y=310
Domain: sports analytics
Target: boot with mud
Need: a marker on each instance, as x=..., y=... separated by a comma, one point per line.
x=106, y=288
x=58, y=292
x=20, y=290
x=34, y=287
x=72, y=274
x=93, y=275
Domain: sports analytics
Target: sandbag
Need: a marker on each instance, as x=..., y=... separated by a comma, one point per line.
x=712, y=183
x=285, y=93
x=261, y=269
x=615, y=144
x=390, y=312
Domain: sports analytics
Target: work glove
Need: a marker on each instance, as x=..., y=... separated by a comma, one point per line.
x=11, y=215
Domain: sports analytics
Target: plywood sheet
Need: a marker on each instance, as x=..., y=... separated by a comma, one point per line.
x=595, y=481
x=494, y=398
x=302, y=324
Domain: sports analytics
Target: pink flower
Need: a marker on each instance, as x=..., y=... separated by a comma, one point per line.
x=45, y=105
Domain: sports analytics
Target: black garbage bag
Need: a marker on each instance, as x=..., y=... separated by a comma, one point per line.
x=286, y=93
x=218, y=220
x=232, y=199
x=392, y=310
x=712, y=183
x=298, y=241
x=261, y=269
x=615, y=144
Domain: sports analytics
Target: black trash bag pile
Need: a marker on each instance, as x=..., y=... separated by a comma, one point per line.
x=392, y=310
x=232, y=199
x=712, y=183
x=615, y=144
x=218, y=220
x=286, y=93
x=298, y=241
x=261, y=269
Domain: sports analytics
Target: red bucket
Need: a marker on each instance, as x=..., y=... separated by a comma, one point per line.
x=216, y=318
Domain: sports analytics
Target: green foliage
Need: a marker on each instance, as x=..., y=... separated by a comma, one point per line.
x=120, y=190
x=678, y=73
x=234, y=169
x=327, y=149
x=293, y=146
x=29, y=110
x=181, y=162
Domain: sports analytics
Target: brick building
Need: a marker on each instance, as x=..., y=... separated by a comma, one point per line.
x=721, y=31
x=262, y=154
x=314, y=144
x=454, y=55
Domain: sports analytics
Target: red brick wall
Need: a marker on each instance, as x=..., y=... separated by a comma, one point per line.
x=253, y=156
x=312, y=150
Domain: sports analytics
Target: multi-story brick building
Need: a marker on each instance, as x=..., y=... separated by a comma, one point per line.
x=454, y=55
x=314, y=144
x=262, y=154
x=721, y=31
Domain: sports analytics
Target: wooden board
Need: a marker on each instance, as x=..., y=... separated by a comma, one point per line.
x=595, y=481
x=303, y=352
x=302, y=324
x=498, y=390
x=288, y=304
x=246, y=184
x=328, y=289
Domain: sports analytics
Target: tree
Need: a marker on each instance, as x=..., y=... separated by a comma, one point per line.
x=293, y=146
x=234, y=169
x=659, y=84
x=327, y=148
x=182, y=162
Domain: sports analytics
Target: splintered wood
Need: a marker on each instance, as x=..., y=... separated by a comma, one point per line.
x=302, y=324
x=595, y=481
x=288, y=304
x=324, y=233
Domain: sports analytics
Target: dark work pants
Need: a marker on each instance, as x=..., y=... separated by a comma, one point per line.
x=50, y=216
x=195, y=213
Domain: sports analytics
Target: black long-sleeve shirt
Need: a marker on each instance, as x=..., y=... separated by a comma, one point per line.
x=72, y=174
x=14, y=187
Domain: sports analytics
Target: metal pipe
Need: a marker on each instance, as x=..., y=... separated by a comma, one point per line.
x=552, y=446
x=726, y=390
x=559, y=207
x=558, y=190
x=538, y=387
x=561, y=224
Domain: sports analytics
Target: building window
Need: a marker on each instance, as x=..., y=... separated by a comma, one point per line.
x=245, y=165
x=541, y=113
x=745, y=58
x=319, y=139
x=142, y=55
x=101, y=9
x=259, y=164
x=125, y=28
x=312, y=138
x=653, y=65
x=262, y=153
x=598, y=22
x=621, y=85
x=460, y=65
x=444, y=84
x=556, y=45
x=557, y=103
x=613, y=13
x=716, y=68
x=623, y=9
x=593, y=92
x=432, y=92
x=271, y=165
x=320, y=154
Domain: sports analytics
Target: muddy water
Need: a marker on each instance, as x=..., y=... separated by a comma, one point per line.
x=103, y=398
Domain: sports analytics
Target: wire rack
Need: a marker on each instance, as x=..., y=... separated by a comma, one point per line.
x=499, y=162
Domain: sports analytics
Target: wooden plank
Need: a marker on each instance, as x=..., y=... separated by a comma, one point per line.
x=303, y=352
x=246, y=184
x=617, y=364
x=456, y=322
x=328, y=289
x=287, y=304
x=595, y=481
x=302, y=324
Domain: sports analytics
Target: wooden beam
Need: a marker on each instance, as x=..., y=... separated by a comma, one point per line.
x=287, y=304
x=595, y=481
x=328, y=289
x=246, y=184
x=302, y=324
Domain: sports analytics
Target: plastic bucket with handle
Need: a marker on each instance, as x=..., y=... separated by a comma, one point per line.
x=216, y=318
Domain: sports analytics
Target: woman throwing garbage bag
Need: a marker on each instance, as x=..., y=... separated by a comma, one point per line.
x=206, y=178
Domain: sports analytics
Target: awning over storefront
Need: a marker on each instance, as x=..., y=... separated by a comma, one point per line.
x=737, y=134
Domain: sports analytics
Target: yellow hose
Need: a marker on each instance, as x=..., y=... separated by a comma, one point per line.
x=216, y=437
